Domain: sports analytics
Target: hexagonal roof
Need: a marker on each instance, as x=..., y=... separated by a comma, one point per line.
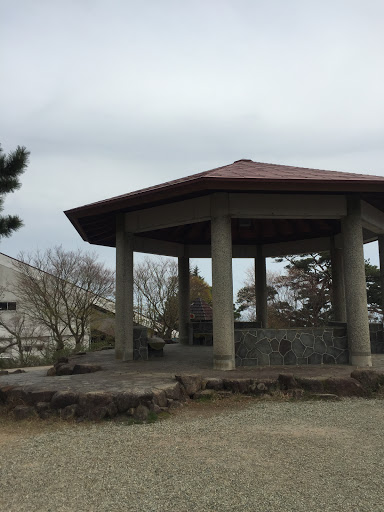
x=241, y=176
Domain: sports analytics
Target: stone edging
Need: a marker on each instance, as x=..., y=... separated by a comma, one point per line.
x=138, y=404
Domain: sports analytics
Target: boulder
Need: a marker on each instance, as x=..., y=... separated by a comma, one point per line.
x=15, y=395
x=159, y=397
x=155, y=408
x=62, y=399
x=97, y=405
x=312, y=385
x=287, y=381
x=237, y=385
x=145, y=396
x=111, y=410
x=85, y=368
x=64, y=369
x=23, y=412
x=69, y=412
x=43, y=395
x=4, y=390
x=141, y=413
x=96, y=414
x=213, y=383
x=340, y=386
x=296, y=393
x=17, y=371
x=173, y=391
x=371, y=380
x=126, y=400
x=51, y=372
x=43, y=409
x=261, y=387
x=3, y=372
x=174, y=404
x=192, y=383
x=95, y=399
x=42, y=406
x=344, y=387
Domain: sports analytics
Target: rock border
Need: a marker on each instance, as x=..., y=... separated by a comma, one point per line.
x=138, y=404
x=64, y=367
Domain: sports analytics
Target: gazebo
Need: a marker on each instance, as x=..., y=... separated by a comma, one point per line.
x=243, y=210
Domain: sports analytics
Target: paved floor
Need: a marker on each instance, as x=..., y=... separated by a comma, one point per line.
x=118, y=376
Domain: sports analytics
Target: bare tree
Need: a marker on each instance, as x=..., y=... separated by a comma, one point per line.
x=20, y=333
x=156, y=288
x=24, y=336
x=156, y=291
x=61, y=289
x=246, y=296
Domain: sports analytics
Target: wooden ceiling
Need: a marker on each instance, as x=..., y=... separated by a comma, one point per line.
x=244, y=231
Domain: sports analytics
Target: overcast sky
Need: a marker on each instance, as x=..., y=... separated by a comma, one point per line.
x=112, y=96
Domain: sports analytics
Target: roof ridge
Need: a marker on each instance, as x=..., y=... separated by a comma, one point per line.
x=184, y=179
x=244, y=169
x=295, y=168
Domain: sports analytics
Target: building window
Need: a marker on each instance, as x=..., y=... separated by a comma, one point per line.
x=7, y=306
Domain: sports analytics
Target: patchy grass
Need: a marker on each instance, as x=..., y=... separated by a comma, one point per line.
x=205, y=398
x=11, y=430
x=129, y=420
x=152, y=417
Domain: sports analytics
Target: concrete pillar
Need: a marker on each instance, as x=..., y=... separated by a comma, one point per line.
x=222, y=287
x=124, y=292
x=261, y=287
x=338, y=287
x=184, y=300
x=355, y=285
x=381, y=256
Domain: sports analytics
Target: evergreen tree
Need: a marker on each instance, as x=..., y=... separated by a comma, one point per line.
x=11, y=167
x=302, y=296
x=310, y=278
x=372, y=276
x=196, y=272
x=199, y=288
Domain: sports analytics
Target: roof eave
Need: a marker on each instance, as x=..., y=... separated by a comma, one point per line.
x=147, y=199
x=74, y=221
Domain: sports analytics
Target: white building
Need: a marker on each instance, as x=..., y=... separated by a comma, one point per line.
x=36, y=338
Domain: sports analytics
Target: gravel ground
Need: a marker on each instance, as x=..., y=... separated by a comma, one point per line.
x=265, y=456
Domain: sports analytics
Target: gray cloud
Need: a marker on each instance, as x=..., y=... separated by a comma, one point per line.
x=119, y=95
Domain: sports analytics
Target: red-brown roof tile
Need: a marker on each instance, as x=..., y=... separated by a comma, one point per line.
x=200, y=311
x=242, y=175
x=254, y=171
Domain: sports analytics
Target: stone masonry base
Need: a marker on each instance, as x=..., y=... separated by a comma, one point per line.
x=139, y=404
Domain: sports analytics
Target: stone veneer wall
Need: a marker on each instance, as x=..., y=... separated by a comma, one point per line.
x=140, y=343
x=254, y=346
x=377, y=338
x=301, y=346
